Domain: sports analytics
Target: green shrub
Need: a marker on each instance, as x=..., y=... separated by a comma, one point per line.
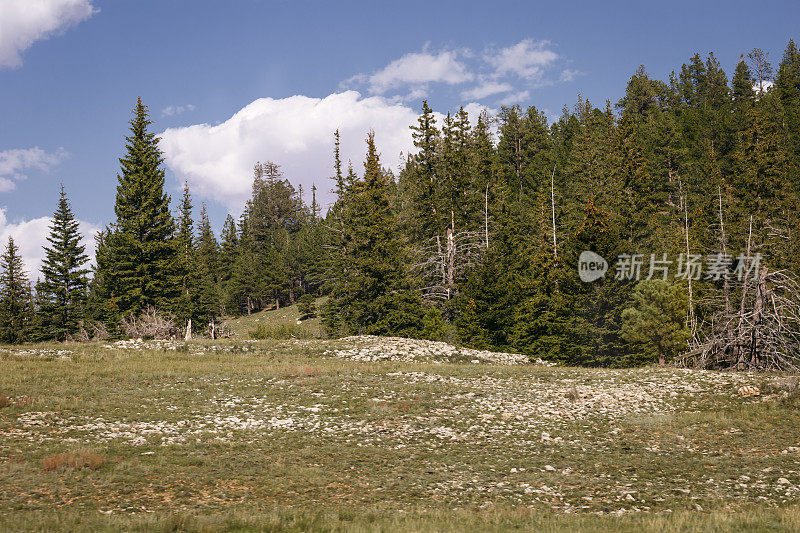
x=306, y=307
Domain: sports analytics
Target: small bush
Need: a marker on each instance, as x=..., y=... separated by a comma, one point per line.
x=71, y=461
x=283, y=331
x=306, y=307
x=433, y=327
x=5, y=401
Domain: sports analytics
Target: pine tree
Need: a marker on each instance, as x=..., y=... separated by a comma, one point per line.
x=657, y=321
x=63, y=292
x=787, y=85
x=137, y=264
x=16, y=310
x=242, y=293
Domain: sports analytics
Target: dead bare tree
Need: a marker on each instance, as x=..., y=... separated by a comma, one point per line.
x=440, y=264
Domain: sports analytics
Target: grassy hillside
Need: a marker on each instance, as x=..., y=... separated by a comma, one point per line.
x=377, y=434
x=282, y=322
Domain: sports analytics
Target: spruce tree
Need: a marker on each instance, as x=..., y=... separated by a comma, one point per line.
x=138, y=261
x=16, y=310
x=63, y=292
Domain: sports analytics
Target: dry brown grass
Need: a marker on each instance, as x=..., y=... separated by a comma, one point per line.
x=312, y=371
x=72, y=461
x=19, y=401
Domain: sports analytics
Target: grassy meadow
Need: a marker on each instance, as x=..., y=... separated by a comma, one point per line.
x=336, y=435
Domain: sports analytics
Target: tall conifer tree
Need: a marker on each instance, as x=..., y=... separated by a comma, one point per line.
x=138, y=260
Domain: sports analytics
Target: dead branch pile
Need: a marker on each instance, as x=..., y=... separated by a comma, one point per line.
x=758, y=331
x=150, y=324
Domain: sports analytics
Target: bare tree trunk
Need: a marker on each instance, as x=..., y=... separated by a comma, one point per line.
x=188, y=335
x=692, y=319
x=451, y=256
x=739, y=352
x=553, y=210
x=758, y=312
x=724, y=242
x=486, y=216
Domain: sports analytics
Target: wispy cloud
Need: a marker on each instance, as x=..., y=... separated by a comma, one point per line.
x=14, y=164
x=416, y=70
x=506, y=74
x=527, y=59
x=569, y=74
x=23, y=22
x=515, y=98
x=487, y=88
x=176, y=110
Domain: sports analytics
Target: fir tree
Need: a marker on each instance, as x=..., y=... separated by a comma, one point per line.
x=63, y=292
x=424, y=187
x=227, y=255
x=371, y=295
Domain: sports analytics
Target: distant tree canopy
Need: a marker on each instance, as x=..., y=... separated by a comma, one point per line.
x=476, y=237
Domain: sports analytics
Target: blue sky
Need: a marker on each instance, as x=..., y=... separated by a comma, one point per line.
x=230, y=83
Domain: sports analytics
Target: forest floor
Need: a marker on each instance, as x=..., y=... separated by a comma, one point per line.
x=371, y=434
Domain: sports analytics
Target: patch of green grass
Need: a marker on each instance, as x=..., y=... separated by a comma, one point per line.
x=274, y=323
x=281, y=331
x=360, y=520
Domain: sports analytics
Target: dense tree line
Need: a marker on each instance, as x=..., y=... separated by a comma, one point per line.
x=489, y=230
x=476, y=238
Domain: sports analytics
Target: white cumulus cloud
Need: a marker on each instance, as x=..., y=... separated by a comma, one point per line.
x=14, y=164
x=295, y=133
x=31, y=236
x=23, y=22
